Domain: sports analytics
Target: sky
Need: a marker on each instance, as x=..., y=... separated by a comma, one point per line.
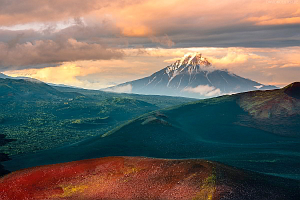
x=100, y=43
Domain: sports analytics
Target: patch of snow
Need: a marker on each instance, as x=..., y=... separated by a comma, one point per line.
x=151, y=80
x=208, y=78
x=259, y=86
x=179, y=82
x=159, y=81
x=224, y=79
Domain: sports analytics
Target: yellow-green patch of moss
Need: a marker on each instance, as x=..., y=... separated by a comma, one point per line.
x=77, y=121
x=73, y=189
x=208, y=188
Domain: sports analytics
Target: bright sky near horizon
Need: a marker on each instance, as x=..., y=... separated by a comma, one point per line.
x=100, y=43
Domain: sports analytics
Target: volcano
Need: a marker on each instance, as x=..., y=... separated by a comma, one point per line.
x=191, y=76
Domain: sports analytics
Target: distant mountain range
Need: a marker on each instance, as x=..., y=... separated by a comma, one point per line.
x=191, y=76
x=3, y=76
x=19, y=89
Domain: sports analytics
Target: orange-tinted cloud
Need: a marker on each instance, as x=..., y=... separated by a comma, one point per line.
x=90, y=74
x=152, y=23
x=136, y=31
x=105, y=29
x=52, y=52
x=165, y=40
x=262, y=65
x=14, y=12
x=275, y=20
x=143, y=18
x=289, y=20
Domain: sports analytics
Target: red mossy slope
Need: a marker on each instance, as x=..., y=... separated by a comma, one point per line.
x=136, y=178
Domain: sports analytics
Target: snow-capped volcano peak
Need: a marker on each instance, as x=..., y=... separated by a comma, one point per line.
x=191, y=59
x=194, y=59
x=191, y=63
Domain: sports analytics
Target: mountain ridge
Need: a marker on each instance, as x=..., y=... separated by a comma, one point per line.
x=30, y=89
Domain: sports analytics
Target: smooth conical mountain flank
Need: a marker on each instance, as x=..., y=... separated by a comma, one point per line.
x=191, y=76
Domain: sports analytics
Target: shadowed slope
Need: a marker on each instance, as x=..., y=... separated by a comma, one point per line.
x=293, y=90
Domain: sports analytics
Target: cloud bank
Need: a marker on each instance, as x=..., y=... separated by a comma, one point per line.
x=42, y=52
x=204, y=90
x=120, y=89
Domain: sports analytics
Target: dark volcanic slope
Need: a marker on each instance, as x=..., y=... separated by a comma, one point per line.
x=3, y=156
x=255, y=130
x=293, y=90
x=144, y=178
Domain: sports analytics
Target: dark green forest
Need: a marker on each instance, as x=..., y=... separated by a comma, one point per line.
x=35, y=116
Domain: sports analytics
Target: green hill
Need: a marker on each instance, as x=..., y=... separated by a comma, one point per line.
x=255, y=130
x=35, y=116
